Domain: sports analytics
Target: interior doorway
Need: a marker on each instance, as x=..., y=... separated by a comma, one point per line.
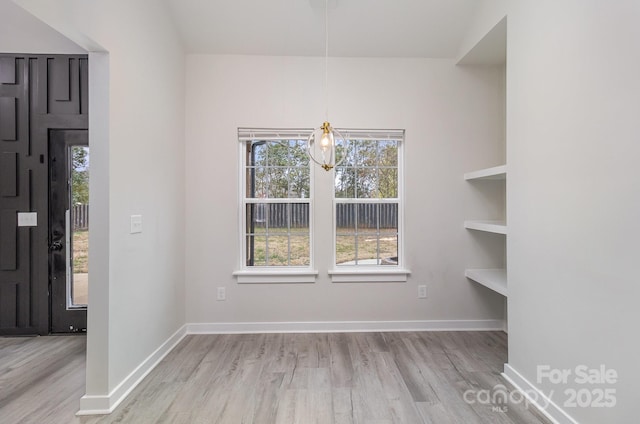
x=69, y=161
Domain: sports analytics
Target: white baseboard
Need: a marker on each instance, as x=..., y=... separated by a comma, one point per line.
x=100, y=405
x=343, y=326
x=541, y=401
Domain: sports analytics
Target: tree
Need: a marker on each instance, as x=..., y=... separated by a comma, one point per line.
x=388, y=169
x=80, y=175
x=369, y=170
x=281, y=169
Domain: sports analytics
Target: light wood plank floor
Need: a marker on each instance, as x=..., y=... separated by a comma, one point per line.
x=352, y=378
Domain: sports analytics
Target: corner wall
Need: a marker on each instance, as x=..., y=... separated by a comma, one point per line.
x=573, y=96
x=136, y=293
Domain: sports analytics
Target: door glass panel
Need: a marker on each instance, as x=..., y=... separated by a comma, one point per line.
x=79, y=225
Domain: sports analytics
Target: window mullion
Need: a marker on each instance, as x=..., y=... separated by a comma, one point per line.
x=267, y=252
x=288, y=209
x=357, y=235
x=378, y=259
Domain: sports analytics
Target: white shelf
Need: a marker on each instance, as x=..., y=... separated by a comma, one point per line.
x=494, y=279
x=498, y=227
x=495, y=173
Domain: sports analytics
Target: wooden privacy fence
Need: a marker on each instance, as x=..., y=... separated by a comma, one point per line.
x=277, y=214
x=367, y=215
x=80, y=217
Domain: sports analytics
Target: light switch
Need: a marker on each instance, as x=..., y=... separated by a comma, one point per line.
x=136, y=224
x=27, y=219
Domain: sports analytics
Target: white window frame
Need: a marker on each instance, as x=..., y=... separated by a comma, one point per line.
x=308, y=274
x=374, y=273
x=272, y=274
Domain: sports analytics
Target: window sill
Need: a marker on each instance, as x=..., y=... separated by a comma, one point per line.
x=369, y=275
x=276, y=276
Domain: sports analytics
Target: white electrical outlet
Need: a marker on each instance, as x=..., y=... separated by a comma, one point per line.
x=422, y=292
x=222, y=293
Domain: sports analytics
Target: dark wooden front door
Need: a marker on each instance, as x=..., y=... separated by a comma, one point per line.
x=38, y=94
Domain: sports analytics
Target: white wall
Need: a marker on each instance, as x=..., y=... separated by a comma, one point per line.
x=573, y=97
x=136, y=301
x=452, y=116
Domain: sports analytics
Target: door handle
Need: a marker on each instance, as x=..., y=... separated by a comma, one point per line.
x=55, y=246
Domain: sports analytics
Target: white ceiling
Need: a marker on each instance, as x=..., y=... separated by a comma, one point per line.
x=358, y=28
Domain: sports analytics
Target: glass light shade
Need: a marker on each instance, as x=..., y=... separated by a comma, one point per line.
x=326, y=141
x=321, y=146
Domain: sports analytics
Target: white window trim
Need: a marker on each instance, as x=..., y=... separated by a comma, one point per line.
x=362, y=274
x=380, y=273
x=265, y=274
x=276, y=276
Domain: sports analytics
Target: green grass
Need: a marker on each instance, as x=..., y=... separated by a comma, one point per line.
x=367, y=246
x=279, y=244
x=298, y=244
x=80, y=251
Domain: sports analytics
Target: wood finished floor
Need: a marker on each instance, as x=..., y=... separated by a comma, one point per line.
x=351, y=378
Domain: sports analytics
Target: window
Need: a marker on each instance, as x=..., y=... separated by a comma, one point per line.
x=368, y=207
x=277, y=204
x=367, y=203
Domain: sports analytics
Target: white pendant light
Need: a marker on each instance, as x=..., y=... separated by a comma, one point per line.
x=322, y=142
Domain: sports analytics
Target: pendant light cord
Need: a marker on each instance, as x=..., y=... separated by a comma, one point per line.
x=326, y=59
